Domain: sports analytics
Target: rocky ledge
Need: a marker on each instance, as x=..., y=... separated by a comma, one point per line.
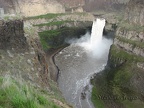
x=120, y=85
x=24, y=75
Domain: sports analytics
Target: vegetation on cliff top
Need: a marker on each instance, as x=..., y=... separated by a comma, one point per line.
x=18, y=94
x=114, y=85
x=116, y=52
x=113, y=88
x=131, y=27
x=132, y=42
x=57, y=38
x=53, y=15
x=53, y=23
x=47, y=16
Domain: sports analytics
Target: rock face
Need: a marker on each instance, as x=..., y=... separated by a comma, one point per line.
x=38, y=7
x=31, y=8
x=120, y=85
x=93, y=5
x=135, y=12
x=129, y=40
x=23, y=51
x=7, y=5
x=130, y=33
x=23, y=60
x=12, y=35
x=72, y=3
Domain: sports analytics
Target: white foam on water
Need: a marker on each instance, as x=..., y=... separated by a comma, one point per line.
x=96, y=44
x=96, y=47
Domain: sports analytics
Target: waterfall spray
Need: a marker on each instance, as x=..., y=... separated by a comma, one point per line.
x=97, y=32
x=96, y=44
x=79, y=61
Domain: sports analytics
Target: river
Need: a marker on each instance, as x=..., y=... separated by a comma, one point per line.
x=77, y=63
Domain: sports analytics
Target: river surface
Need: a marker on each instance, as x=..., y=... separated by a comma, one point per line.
x=76, y=66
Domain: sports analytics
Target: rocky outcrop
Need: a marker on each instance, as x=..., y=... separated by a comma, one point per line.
x=120, y=85
x=67, y=20
x=79, y=24
x=107, y=5
x=24, y=68
x=38, y=7
x=130, y=31
x=32, y=8
x=22, y=54
x=130, y=40
x=65, y=17
x=72, y=3
x=12, y=36
x=135, y=12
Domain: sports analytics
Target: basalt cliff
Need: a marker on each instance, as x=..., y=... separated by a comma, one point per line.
x=39, y=7
x=28, y=74
x=28, y=44
x=120, y=85
x=24, y=77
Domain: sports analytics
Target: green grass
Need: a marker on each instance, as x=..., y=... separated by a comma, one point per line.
x=123, y=55
x=53, y=15
x=134, y=43
x=10, y=17
x=47, y=16
x=116, y=83
x=16, y=95
x=30, y=30
x=56, y=91
x=120, y=80
x=53, y=23
x=56, y=38
x=46, y=38
x=98, y=103
x=131, y=27
x=133, y=104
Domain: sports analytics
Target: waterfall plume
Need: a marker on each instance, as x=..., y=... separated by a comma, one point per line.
x=97, y=32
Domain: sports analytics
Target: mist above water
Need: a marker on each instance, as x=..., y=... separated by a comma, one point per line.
x=79, y=61
x=95, y=44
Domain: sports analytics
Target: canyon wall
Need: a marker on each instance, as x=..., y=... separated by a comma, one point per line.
x=135, y=12
x=15, y=44
x=24, y=75
x=38, y=7
x=120, y=85
x=106, y=5
x=31, y=8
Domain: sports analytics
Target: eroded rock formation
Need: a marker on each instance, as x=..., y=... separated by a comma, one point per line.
x=22, y=54
x=31, y=8
x=120, y=85
x=12, y=36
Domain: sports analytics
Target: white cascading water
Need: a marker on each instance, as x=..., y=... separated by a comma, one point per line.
x=96, y=44
x=97, y=32
x=77, y=65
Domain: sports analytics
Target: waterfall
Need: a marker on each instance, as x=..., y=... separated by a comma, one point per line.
x=97, y=32
x=95, y=44
x=78, y=62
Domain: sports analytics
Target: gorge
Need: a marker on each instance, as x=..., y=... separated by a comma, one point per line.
x=78, y=62
x=47, y=58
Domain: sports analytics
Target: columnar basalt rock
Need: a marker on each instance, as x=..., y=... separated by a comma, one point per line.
x=31, y=8
x=12, y=35
x=123, y=75
x=135, y=12
x=22, y=54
